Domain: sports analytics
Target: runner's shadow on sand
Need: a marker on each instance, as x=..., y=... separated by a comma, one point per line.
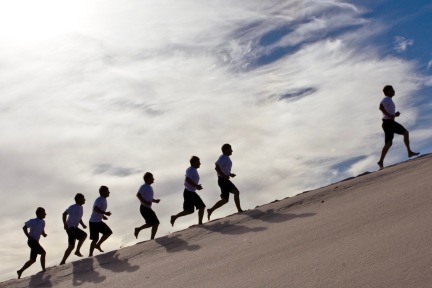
x=40, y=279
x=83, y=272
x=231, y=229
x=175, y=244
x=111, y=261
x=274, y=217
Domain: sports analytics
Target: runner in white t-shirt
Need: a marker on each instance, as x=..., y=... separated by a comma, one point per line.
x=223, y=169
x=37, y=228
x=191, y=198
x=145, y=196
x=74, y=217
x=390, y=126
x=96, y=225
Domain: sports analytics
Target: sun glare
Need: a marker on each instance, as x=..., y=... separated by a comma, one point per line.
x=30, y=20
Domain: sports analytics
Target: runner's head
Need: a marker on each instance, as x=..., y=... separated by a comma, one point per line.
x=389, y=91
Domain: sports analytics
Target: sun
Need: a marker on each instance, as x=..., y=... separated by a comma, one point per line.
x=30, y=20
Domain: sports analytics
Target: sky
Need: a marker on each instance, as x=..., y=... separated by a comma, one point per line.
x=99, y=92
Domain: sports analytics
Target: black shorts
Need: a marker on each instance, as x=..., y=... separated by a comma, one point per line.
x=191, y=200
x=226, y=187
x=149, y=215
x=98, y=227
x=35, y=249
x=75, y=233
x=391, y=127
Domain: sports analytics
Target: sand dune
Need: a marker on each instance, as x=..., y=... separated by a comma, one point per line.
x=369, y=231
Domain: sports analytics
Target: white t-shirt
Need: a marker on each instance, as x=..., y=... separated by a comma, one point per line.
x=102, y=203
x=75, y=213
x=36, y=226
x=389, y=106
x=192, y=174
x=147, y=193
x=225, y=164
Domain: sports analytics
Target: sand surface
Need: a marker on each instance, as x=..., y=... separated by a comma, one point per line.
x=370, y=231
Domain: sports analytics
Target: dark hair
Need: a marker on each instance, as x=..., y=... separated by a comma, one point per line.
x=225, y=146
x=387, y=89
x=78, y=196
x=193, y=159
x=39, y=210
x=103, y=188
x=147, y=175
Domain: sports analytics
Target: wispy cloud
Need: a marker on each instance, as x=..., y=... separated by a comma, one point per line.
x=401, y=44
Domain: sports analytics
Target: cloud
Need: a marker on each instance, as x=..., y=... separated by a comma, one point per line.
x=429, y=65
x=143, y=86
x=401, y=44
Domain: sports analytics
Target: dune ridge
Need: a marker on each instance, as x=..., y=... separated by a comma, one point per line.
x=368, y=231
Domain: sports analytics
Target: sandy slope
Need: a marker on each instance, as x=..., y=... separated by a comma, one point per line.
x=370, y=231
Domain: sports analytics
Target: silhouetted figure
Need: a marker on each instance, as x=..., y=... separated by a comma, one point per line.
x=145, y=195
x=74, y=217
x=191, y=198
x=390, y=126
x=223, y=169
x=96, y=224
x=37, y=228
